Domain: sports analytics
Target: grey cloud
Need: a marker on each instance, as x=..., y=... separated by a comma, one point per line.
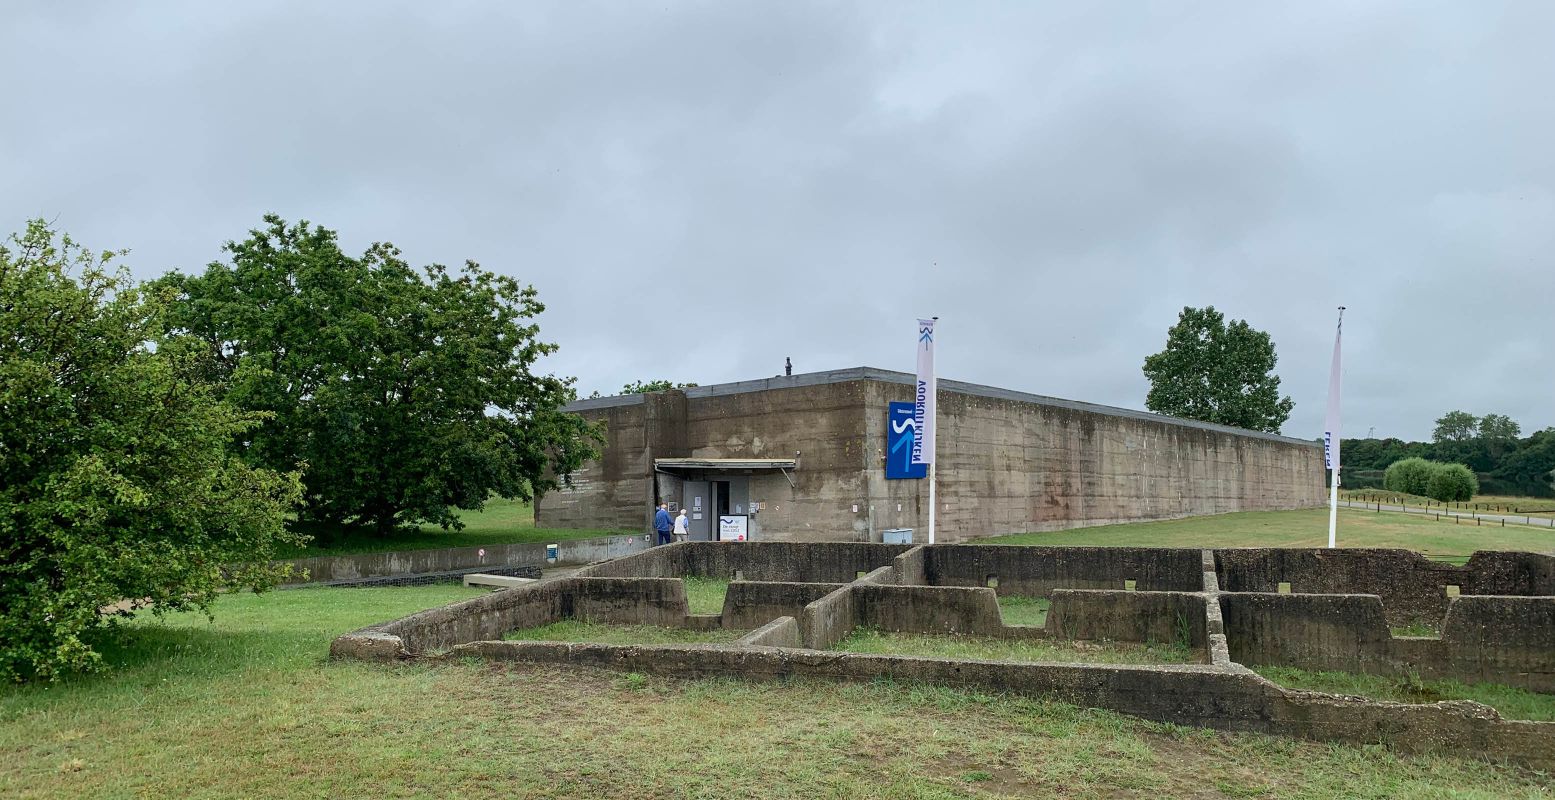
x=699, y=190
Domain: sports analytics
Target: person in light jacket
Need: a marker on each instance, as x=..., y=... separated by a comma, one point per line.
x=682, y=526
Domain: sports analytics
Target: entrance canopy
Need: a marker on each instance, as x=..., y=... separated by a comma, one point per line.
x=701, y=466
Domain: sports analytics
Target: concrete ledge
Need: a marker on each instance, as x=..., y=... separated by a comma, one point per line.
x=497, y=581
x=781, y=632
x=351, y=568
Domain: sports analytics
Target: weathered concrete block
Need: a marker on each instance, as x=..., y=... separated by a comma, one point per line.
x=1128, y=616
x=368, y=646
x=828, y=620
x=751, y=605
x=1038, y=571
x=1311, y=631
x=928, y=609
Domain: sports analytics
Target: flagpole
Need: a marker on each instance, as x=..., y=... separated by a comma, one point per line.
x=1333, y=437
x=934, y=456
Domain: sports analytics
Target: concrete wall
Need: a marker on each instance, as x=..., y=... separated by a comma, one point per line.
x=1499, y=639
x=1412, y=587
x=1198, y=695
x=1506, y=640
x=828, y=620
x=752, y=605
x=632, y=601
x=756, y=561
x=1037, y=571
x=616, y=491
x=928, y=609
x=1162, y=617
x=324, y=569
x=1009, y=462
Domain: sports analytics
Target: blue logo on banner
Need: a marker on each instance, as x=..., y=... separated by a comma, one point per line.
x=901, y=431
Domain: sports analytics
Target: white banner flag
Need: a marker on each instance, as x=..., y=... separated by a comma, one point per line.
x=924, y=396
x=1331, y=433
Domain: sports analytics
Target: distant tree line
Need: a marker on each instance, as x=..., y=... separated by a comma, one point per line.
x=1491, y=446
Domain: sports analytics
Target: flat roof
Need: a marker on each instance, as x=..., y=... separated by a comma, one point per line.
x=726, y=463
x=908, y=379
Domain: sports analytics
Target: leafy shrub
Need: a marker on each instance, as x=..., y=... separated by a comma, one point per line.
x=1452, y=483
x=1409, y=476
x=115, y=482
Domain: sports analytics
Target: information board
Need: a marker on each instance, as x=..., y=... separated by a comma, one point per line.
x=733, y=527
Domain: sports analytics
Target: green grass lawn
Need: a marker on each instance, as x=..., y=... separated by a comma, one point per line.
x=249, y=707
x=1303, y=528
x=500, y=522
x=1513, y=703
x=705, y=595
x=870, y=640
x=1018, y=610
x=613, y=634
x=572, y=630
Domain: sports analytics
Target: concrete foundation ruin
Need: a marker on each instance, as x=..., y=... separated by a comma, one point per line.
x=1332, y=610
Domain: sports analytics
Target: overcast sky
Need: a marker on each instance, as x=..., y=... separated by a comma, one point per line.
x=699, y=190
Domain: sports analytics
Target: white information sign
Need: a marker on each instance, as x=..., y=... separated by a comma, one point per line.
x=733, y=527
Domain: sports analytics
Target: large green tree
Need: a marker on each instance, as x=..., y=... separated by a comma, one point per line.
x=1456, y=426
x=1217, y=372
x=407, y=393
x=116, y=483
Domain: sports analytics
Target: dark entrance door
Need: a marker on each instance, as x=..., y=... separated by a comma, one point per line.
x=721, y=503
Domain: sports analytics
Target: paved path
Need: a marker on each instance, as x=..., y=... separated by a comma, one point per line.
x=1520, y=519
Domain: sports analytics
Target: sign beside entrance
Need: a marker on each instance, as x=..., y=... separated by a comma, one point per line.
x=733, y=527
x=901, y=431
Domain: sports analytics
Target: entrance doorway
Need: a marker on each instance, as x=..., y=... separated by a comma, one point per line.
x=706, y=500
x=721, y=489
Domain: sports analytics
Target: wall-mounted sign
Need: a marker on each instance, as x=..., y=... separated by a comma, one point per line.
x=901, y=429
x=733, y=527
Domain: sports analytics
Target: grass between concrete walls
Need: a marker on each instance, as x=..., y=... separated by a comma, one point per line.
x=705, y=595
x=1513, y=703
x=248, y=706
x=870, y=640
x=1419, y=629
x=571, y=630
x=1017, y=609
x=1303, y=528
x=500, y=522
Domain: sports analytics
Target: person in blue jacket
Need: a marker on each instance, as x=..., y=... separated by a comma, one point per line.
x=663, y=524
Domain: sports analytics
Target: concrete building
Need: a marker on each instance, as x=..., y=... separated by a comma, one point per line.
x=804, y=458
